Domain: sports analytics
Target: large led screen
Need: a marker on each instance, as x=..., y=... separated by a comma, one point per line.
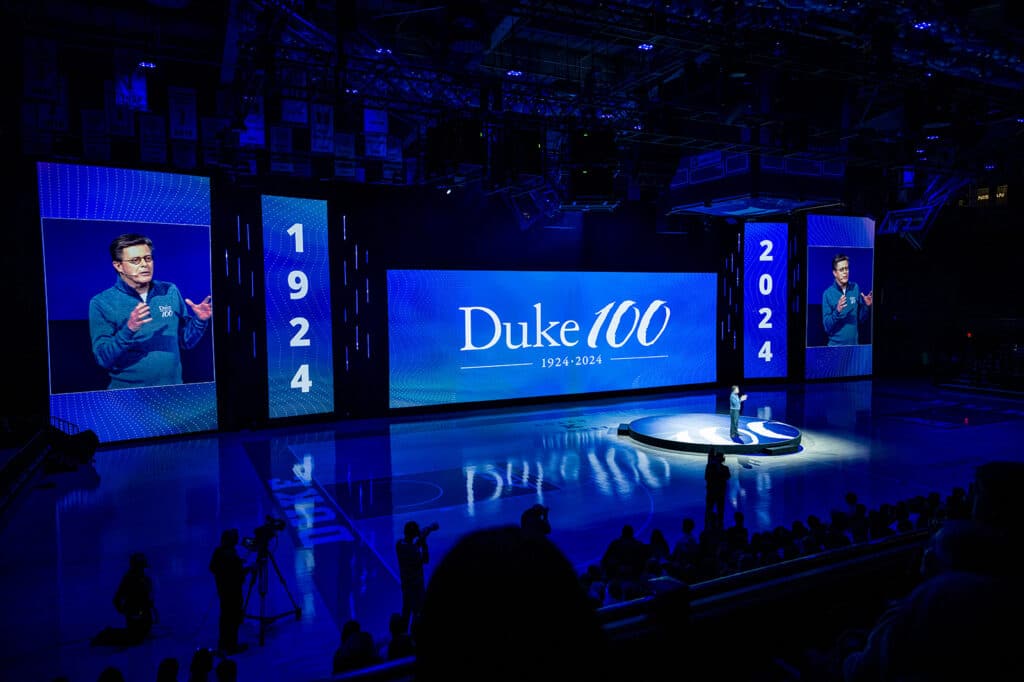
x=764, y=300
x=126, y=259
x=460, y=336
x=300, y=368
x=840, y=295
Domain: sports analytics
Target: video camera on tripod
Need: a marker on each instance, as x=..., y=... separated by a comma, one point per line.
x=262, y=535
x=260, y=543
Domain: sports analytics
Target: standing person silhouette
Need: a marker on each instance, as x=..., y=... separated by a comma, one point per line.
x=716, y=478
x=229, y=572
x=413, y=554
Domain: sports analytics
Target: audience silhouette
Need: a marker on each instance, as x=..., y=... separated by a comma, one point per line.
x=201, y=666
x=356, y=649
x=111, y=674
x=506, y=605
x=401, y=644
x=167, y=671
x=226, y=671
x=534, y=520
x=954, y=626
x=542, y=619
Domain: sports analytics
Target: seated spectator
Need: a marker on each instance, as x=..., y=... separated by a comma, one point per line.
x=859, y=523
x=167, y=670
x=736, y=535
x=401, y=644
x=535, y=520
x=625, y=555
x=903, y=522
x=614, y=593
x=541, y=625
x=687, y=547
x=111, y=674
x=814, y=540
x=851, y=502
x=798, y=531
x=657, y=548
x=996, y=502
x=966, y=546
x=227, y=670
x=789, y=549
x=951, y=627
x=201, y=666
x=835, y=535
x=878, y=528
x=594, y=584
x=356, y=649
x=958, y=506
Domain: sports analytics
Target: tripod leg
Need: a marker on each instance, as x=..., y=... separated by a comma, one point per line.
x=245, y=605
x=277, y=569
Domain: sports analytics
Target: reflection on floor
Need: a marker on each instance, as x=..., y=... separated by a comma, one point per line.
x=345, y=490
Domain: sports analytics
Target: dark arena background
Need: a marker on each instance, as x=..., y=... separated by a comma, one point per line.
x=458, y=262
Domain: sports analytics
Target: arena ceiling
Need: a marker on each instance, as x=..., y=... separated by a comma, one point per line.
x=881, y=84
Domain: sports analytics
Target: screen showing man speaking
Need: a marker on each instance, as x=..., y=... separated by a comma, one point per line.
x=129, y=301
x=460, y=336
x=840, y=295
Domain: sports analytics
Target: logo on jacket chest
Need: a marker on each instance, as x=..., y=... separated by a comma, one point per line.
x=166, y=311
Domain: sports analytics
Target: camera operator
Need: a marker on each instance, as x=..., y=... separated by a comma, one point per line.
x=413, y=554
x=229, y=572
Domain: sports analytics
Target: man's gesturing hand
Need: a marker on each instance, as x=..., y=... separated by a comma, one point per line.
x=202, y=310
x=140, y=316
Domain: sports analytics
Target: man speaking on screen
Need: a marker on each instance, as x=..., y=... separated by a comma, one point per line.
x=843, y=306
x=140, y=325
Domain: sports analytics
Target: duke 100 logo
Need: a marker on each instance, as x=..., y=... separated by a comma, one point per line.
x=484, y=328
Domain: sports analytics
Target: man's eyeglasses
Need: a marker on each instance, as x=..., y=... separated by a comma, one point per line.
x=138, y=260
x=845, y=268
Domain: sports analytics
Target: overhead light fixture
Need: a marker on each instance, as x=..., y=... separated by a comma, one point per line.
x=645, y=47
x=513, y=73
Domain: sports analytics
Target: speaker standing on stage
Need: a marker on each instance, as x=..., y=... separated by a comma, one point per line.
x=229, y=571
x=735, y=401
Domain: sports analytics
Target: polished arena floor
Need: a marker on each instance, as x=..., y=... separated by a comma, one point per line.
x=346, y=489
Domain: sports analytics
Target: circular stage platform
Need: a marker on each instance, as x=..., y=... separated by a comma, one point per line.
x=701, y=432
